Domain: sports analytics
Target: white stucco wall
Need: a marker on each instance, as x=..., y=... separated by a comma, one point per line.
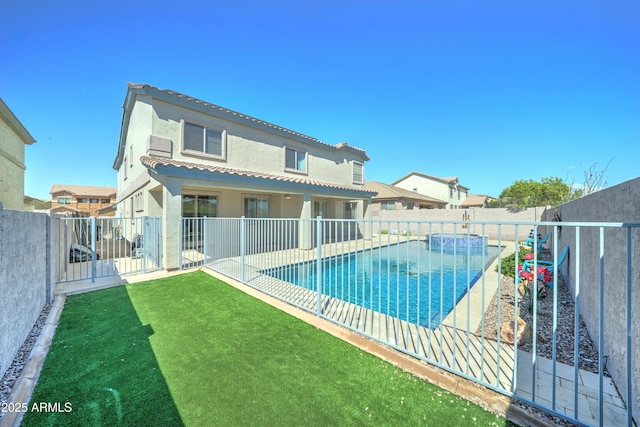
x=425, y=186
x=253, y=149
x=434, y=188
x=618, y=204
x=11, y=168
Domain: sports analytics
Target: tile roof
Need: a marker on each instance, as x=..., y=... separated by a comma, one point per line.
x=386, y=191
x=83, y=190
x=152, y=163
x=474, y=200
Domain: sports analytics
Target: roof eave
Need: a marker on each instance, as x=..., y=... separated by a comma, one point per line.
x=15, y=124
x=244, y=180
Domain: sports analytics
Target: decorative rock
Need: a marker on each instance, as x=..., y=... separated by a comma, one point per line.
x=524, y=332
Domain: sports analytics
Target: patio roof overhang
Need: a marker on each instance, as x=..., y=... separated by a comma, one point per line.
x=229, y=177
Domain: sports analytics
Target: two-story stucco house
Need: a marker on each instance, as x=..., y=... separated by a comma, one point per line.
x=447, y=189
x=391, y=197
x=82, y=200
x=179, y=156
x=13, y=138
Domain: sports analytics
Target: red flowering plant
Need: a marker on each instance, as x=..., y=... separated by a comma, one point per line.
x=525, y=275
x=527, y=279
x=544, y=274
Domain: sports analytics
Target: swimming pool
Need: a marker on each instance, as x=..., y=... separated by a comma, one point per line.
x=405, y=280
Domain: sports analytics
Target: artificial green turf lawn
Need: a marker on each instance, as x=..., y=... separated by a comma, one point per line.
x=192, y=350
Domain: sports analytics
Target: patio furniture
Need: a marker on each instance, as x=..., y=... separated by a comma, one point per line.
x=541, y=241
x=549, y=265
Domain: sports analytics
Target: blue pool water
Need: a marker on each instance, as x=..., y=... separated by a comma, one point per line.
x=406, y=280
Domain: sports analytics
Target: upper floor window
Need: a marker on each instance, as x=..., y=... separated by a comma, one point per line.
x=104, y=200
x=295, y=160
x=83, y=200
x=64, y=200
x=204, y=140
x=93, y=200
x=358, y=173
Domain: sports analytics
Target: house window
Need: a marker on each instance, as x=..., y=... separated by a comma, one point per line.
x=196, y=206
x=104, y=200
x=358, y=173
x=93, y=200
x=124, y=168
x=320, y=208
x=64, y=200
x=388, y=206
x=83, y=200
x=411, y=205
x=256, y=207
x=138, y=202
x=351, y=210
x=204, y=140
x=295, y=160
x=193, y=207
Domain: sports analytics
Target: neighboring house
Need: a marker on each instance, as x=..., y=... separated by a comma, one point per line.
x=447, y=189
x=13, y=138
x=35, y=204
x=82, y=200
x=182, y=157
x=390, y=197
x=477, y=201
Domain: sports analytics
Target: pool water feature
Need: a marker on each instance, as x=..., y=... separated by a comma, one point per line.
x=404, y=280
x=450, y=242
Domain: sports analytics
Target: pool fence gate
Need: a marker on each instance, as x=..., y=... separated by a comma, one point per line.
x=95, y=247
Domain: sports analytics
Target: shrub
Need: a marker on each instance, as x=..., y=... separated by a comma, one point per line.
x=509, y=263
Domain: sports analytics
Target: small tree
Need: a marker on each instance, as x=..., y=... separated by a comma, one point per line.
x=594, y=179
x=529, y=193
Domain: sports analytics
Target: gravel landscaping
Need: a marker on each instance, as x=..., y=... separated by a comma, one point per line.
x=22, y=356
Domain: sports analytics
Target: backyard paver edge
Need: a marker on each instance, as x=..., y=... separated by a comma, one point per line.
x=483, y=397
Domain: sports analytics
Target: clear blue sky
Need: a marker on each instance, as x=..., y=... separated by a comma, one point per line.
x=491, y=92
